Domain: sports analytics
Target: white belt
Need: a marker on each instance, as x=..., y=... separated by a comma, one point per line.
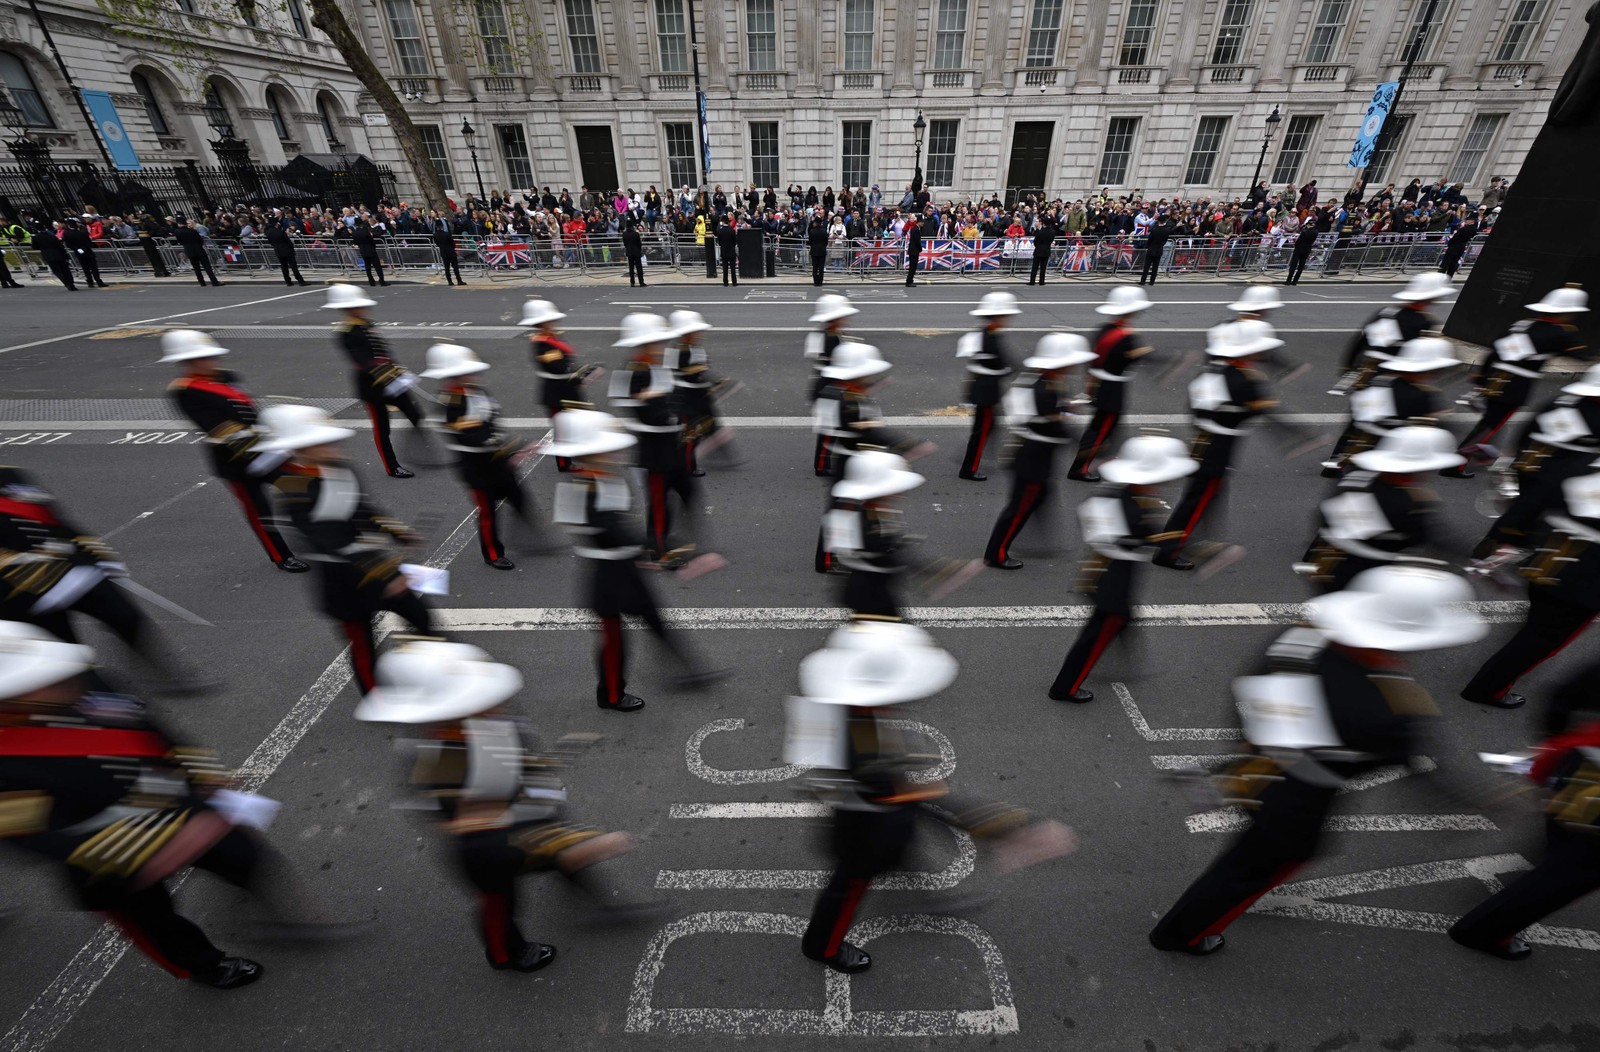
x=654, y=429
x=981, y=370
x=1216, y=428
x=1574, y=529
x=1103, y=375
x=1124, y=555
x=631, y=551
x=541, y=374
x=1517, y=370
x=1351, y=546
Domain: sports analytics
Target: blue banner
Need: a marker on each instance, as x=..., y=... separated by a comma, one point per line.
x=705, y=137
x=1372, y=124
x=109, y=125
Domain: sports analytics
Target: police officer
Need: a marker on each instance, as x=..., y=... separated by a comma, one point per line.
x=1122, y=524
x=1336, y=702
x=1041, y=421
x=1390, y=327
x=283, y=249
x=1116, y=347
x=381, y=382
x=187, y=235
x=1045, y=232
x=485, y=457
x=817, y=242
x=1303, y=245
x=444, y=239
x=211, y=397
x=357, y=549
x=367, y=248
x=594, y=504
x=1506, y=378
x=1402, y=392
x=987, y=368
x=633, y=250
x=728, y=250
x=500, y=802
x=53, y=254
x=555, y=362
x=149, y=228
x=81, y=246
x=913, y=235
x=644, y=386
x=830, y=311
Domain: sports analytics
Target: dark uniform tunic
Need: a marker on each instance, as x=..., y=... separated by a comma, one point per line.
x=1117, y=347
x=1560, y=441
x=483, y=457
x=1376, y=340
x=380, y=383
x=646, y=390
x=1506, y=378
x=1223, y=400
x=987, y=367
x=1041, y=423
x=1373, y=520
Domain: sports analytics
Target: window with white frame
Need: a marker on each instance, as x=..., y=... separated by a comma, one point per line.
x=328, y=126
x=1114, y=160
x=297, y=18
x=410, y=53
x=433, y=143
x=760, y=35
x=764, y=153
x=950, y=35
x=1044, y=33
x=672, y=37
x=280, y=122
x=1298, y=136
x=1430, y=34
x=1480, y=137
x=942, y=152
x=1322, y=45
x=856, y=156
x=514, y=152
x=1522, y=26
x=1232, y=27
x=583, y=36
x=1138, y=30
x=495, y=33
x=152, y=104
x=1203, y=154
x=859, y=24
x=681, y=167
x=1378, y=167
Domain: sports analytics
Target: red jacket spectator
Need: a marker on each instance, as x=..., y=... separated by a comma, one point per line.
x=575, y=232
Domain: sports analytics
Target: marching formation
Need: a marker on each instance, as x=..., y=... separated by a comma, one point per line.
x=1332, y=698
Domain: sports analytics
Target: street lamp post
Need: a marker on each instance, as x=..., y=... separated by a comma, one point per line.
x=919, y=126
x=469, y=133
x=1266, y=140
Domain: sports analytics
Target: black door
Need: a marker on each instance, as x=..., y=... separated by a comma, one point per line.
x=1030, y=158
x=597, y=157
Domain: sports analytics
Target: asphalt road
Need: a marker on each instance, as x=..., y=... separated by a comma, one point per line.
x=1349, y=956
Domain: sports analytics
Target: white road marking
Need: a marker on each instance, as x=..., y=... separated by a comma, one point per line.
x=794, y=809
x=1231, y=820
x=866, y=293
x=792, y=618
x=152, y=321
x=960, y=868
x=836, y=1018
x=1179, y=734
x=143, y=515
x=52, y=1010
x=716, y=776
x=1305, y=899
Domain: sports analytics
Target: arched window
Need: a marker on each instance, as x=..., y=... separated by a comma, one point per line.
x=280, y=123
x=217, y=114
x=24, y=93
x=329, y=129
x=152, y=105
x=297, y=15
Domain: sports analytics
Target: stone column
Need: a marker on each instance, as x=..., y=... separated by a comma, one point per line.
x=1275, y=62
x=1463, y=60
x=905, y=45
x=995, y=58
x=808, y=46
x=1188, y=46
x=629, y=76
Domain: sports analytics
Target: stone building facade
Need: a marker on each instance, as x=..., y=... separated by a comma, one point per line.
x=258, y=70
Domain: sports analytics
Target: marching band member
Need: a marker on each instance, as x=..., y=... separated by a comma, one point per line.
x=555, y=362
x=381, y=382
x=1391, y=327
x=1402, y=393
x=988, y=365
x=1116, y=347
x=830, y=311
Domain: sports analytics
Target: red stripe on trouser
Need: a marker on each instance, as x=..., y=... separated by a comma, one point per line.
x=1476, y=439
x=492, y=915
x=847, y=913
x=360, y=654
x=824, y=452
x=1030, y=493
x=1564, y=644
x=1108, y=631
x=377, y=432
x=611, y=657
x=1232, y=915
x=486, y=531
x=138, y=937
x=1206, y=497
x=1087, y=459
x=985, y=422
x=243, y=496
x=658, y=511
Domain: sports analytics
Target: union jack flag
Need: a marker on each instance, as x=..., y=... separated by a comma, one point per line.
x=977, y=255
x=505, y=253
x=1115, y=255
x=1078, y=258
x=884, y=252
x=936, y=254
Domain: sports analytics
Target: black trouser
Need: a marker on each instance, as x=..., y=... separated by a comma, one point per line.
x=616, y=588
x=911, y=268
x=378, y=413
x=730, y=268
x=636, y=269
x=287, y=264
x=819, y=260
x=492, y=479
x=1283, y=836
x=1552, y=623
x=374, y=270
x=492, y=864
x=251, y=493
x=1041, y=264
x=63, y=272
x=109, y=605
x=982, y=427
x=1199, y=491
x=1152, y=264
x=364, y=644
x=91, y=268
x=1569, y=870
x=824, y=458
x=1297, y=266
x=866, y=844
x=869, y=594
x=1095, y=437
x=152, y=252
x=658, y=510
x=1026, y=496
x=202, y=269
x=147, y=916
x=1495, y=416
x=6, y=280
x=451, y=264
x=1578, y=693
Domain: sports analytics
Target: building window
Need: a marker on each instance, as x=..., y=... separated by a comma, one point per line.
x=1137, y=32
x=583, y=36
x=682, y=168
x=1297, y=139
x=1485, y=126
x=950, y=38
x=186, y=6
x=24, y=94
x=495, y=34
x=672, y=39
x=859, y=19
x=857, y=154
x=1119, y=150
x=280, y=123
x=760, y=35
x=410, y=53
x=297, y=18
x=514, y=152
x=1521, y=25
x=328, y=129
x=433, y=142
x=1322, y=44
x=247, y=11
x=1231, y=30
x=1203, y=156
x=217, y=114
x=152, y=105
x=1044, y=33
x=1378, y=169
x=764, y=153
x=942, y=152
x=1432, y=33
